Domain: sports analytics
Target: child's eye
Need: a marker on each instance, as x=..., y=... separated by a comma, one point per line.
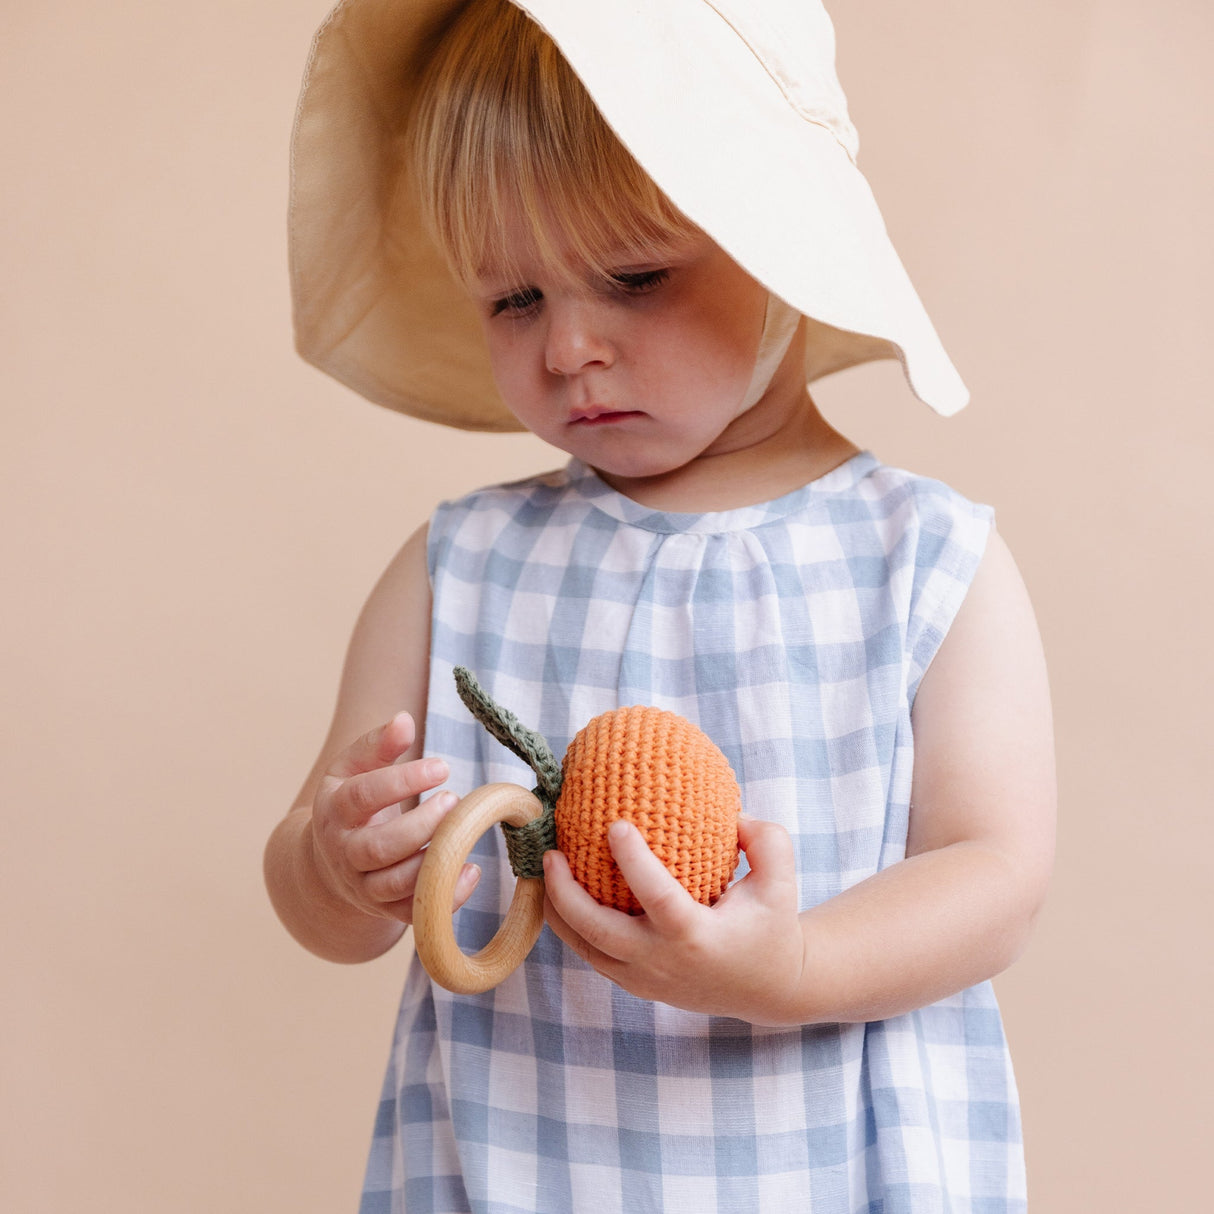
x=517, y=303
x=638, y=282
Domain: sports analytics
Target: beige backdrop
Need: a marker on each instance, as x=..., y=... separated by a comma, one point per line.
x=193, y=517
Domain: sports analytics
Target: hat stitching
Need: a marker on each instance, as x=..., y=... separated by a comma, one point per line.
x=780, y=80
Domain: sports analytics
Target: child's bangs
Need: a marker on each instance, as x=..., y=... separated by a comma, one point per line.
x=514, y=156
x=585, y=214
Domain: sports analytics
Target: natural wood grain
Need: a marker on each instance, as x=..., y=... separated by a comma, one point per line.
x=434, y=931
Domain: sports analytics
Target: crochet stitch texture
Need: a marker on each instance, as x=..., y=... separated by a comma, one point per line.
x=655, y=769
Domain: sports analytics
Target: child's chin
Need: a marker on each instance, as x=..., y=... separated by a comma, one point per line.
x=636, y=469
x=629, y=456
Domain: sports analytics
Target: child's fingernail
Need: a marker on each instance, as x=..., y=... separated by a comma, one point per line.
x=445, y=801
x=469, y=875
x=436, y=770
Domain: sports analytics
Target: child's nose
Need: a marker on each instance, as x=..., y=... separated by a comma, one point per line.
x=576, y=341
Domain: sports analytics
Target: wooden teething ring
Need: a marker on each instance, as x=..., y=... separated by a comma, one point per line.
x=433, y=930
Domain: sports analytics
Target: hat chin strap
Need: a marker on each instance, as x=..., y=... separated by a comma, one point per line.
x=780, y=322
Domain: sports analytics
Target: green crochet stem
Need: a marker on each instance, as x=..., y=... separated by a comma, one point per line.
x=525, y=845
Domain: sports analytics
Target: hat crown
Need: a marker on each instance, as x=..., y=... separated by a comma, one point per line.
x=794, y=41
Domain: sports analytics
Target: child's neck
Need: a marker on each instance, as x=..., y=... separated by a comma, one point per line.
x=746, y=467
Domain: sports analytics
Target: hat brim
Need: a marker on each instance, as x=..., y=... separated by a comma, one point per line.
x=375, y=304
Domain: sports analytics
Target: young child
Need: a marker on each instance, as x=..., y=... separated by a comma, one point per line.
x=638, y=231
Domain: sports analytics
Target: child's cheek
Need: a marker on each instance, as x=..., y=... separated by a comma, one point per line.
x=508, y=359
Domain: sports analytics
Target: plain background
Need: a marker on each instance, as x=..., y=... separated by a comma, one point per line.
x=193, y=517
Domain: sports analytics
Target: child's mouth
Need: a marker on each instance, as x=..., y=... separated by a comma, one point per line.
x=595, y=416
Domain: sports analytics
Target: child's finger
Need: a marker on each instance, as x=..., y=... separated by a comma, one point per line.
x=597, y=933
x=392, y=890
x=768, y=847
x=383, y=844
x=593, y=957
x=358, y=799
x=469, y=878
x=377, y=748
x=386, y=886
x=669, y=906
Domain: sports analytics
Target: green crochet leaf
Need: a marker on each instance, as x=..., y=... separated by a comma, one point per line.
x=529, y=745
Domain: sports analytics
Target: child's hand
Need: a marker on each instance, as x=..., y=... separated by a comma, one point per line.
x=742, y=957
x=367, y=849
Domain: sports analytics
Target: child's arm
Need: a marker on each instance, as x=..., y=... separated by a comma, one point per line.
x=958, y=910
x=341, y=866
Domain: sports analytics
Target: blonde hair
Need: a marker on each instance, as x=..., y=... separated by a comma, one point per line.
x=503, y=127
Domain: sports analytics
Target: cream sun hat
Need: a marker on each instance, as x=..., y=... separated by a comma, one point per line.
x=731, y=106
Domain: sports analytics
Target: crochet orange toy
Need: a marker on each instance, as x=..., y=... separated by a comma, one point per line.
x=658, y=771
x=651, y=767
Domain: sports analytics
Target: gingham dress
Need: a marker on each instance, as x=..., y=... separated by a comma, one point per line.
x=795, y=634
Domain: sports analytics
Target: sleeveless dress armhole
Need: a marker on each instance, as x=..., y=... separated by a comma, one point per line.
x=952, y=538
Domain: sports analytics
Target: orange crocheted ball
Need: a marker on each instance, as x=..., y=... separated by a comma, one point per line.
x=658, y=771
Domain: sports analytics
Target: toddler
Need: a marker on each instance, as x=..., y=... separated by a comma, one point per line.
x=638, y=231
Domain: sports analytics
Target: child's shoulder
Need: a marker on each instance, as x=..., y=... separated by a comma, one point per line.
x=908, y=520
x=895, y=498
x=892, y=489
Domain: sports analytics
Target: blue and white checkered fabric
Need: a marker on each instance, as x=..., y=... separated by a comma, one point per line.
x=795, y=634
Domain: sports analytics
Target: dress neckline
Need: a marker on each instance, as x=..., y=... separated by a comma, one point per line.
x=590, y=486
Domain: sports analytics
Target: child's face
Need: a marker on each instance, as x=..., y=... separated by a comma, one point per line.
x=637, y=375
